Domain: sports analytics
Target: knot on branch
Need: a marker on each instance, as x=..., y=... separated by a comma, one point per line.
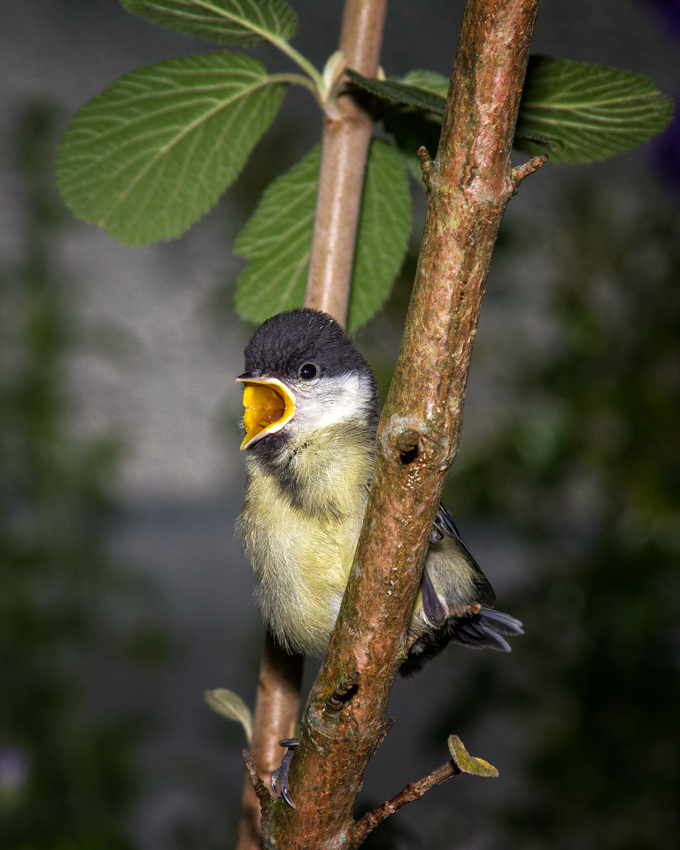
x=343, y=693
x=427, y=167
x=407, y=445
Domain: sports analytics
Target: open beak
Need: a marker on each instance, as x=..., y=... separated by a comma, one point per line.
x=269, y=406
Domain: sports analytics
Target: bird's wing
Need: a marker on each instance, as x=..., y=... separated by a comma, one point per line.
x=445, y=526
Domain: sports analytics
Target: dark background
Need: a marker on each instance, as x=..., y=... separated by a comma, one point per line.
x=122, y=594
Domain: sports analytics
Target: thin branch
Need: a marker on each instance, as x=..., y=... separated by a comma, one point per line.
x=426, y=166
x=471, y=183
x=413, y=792
x=256, y=782
x=276, y=711
x=346, y=138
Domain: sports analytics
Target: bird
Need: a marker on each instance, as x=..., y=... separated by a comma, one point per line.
x=309, y=426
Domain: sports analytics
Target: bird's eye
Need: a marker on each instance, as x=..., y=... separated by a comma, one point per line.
x=308, y=371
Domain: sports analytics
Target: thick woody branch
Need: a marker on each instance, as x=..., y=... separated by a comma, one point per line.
x=470, y=184
x=346, y=137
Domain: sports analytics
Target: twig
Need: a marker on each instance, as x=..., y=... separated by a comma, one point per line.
x=523, y=171
x=413, y=791
x=256, y=782
x=426, y=166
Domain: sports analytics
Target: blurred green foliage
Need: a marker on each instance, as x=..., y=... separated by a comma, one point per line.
x=586, y=477
x=66, y=777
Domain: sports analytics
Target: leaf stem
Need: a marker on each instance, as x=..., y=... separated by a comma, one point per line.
x=304, y=63
x=294, y=79
x=314, y=75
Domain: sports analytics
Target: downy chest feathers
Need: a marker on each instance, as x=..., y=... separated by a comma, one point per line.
x=299, y=526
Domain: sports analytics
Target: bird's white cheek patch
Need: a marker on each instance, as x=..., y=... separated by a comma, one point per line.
x=332, y=400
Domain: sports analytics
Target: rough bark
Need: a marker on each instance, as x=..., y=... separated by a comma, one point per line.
x=469, y=185
x=346, y=137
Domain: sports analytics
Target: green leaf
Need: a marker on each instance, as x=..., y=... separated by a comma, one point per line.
x=236, y=22
x=230, y=705
x=382, y=238
x=429, y=80
x=278, y=238
x=155, y=150
x=413, y=128
x=467, y=763
x=587, y=112
x=400, y=92
x=574, y=111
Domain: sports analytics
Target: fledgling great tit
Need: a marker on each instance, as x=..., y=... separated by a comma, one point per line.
x=310, y=422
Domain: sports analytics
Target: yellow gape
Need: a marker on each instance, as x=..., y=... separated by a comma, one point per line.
x=269, y=406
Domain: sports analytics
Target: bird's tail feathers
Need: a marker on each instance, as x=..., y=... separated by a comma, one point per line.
x=484, y=630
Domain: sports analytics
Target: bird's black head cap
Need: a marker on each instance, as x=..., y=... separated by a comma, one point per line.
x=287, y=341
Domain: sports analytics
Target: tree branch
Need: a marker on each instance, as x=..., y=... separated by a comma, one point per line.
x=470, y=184
x=413, y=792
x=276, y=710
x=346, y=136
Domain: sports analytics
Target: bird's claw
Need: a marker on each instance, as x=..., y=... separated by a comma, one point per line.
x=280, y=775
